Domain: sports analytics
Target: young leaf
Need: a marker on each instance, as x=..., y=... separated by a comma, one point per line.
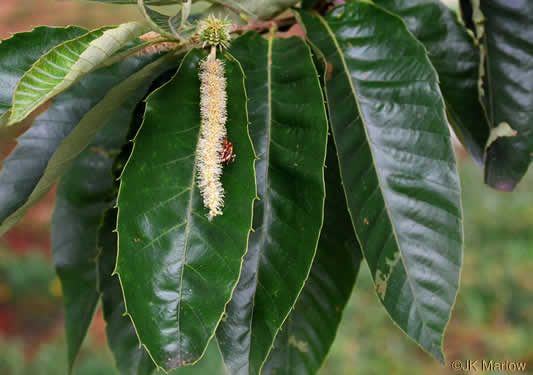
x=45, y=152
x=505, y=33
x=307, y=334
x=397, y=163
x=177, y=269
x=168, y=26
x=82, y=197
x=63, y=65
x=19, y=53
x=289, y=131
x=130, y=359
x=452, y=52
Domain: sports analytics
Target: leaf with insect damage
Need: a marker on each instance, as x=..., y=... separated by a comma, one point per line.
x=397, y=163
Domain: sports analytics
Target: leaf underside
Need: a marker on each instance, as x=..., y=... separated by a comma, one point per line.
x=173, y=263
x=396, y=161
x=22, y=50
x=289, y=133
x=63, y=65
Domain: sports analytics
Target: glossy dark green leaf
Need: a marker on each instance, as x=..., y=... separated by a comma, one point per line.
x=307, y=334
x=210, y=364
x=45, y=152
x=452, y=52
x=178, y=269
x=289, y=131
x=397, y=163
x=18, y=53
x=82, y=197
x=505, y=33
x=130, y=358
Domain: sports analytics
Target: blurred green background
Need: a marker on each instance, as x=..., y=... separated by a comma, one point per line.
x=493, y=316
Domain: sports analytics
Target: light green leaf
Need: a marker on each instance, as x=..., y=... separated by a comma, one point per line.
x=19, y=53
x=63, y=65
x=45, y=152
x=177, y=269
x=289, y=131
x=452, y=52
x=261, y=9
x=168, y=26
x=397, y=163
x=309, y=331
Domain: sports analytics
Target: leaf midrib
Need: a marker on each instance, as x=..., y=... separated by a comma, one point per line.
x=185, y=244
x=264, y=222
x=363, y=120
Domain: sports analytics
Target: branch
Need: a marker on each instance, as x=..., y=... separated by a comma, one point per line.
x=263, y=25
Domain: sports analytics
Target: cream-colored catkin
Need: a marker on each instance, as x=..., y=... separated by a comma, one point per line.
x=212, y=133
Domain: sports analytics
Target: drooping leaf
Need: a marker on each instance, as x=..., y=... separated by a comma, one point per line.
x=19, y=53
x=467, y=12
x=397, y=163
x=63, y=65
x=455, y=57
x=130, y=358
x=45, y=152
x=504, y=29
x=307, y=334
x=82, y=197
x=289, y=131
x=178, y=269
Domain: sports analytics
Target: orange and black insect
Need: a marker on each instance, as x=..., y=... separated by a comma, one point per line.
x=227, y=152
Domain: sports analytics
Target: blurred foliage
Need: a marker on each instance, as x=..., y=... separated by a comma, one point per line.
x=26, y=276
x=51, y=360
x=22, y=15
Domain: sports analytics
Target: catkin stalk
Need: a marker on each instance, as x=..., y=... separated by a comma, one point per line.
x=212, y=133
